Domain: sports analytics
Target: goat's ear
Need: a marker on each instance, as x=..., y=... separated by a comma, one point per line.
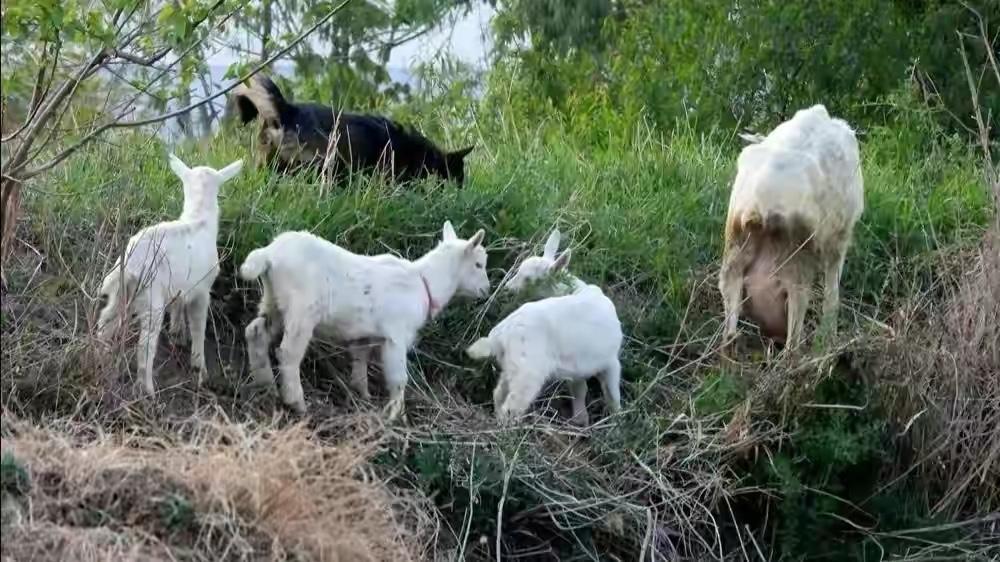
x=561, y=262
x=476, y=240
x=552, y=245
x=459, y=155
x=448, y=232
x=179, y=168
x=230, y=171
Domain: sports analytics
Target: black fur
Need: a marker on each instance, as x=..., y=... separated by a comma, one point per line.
x=298, y=134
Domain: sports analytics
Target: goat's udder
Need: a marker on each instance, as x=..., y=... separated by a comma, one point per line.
x=767, y=299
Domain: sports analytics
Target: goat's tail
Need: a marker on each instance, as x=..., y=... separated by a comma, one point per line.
x=752, y=138
x=262, y=97
x=255, y=265
x=482, y=349
x=791, y=228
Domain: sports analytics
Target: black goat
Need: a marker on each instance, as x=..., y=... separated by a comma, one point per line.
x=299, y=134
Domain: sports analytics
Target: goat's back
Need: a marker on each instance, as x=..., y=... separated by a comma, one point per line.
x=173, y=258
x=807, y=172
x=572, y=336
x=350, y=295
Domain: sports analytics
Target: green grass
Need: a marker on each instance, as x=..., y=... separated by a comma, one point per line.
x=644, y=211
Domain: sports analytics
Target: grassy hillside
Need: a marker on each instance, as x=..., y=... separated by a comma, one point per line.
x=835, y=454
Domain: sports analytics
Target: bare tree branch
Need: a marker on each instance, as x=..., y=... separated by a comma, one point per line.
x=143, y=61
x=117, y=123
x=46, y=112
x=38, y=93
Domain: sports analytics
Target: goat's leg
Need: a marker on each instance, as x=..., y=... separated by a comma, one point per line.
x=298, y=332
x=197, y=312
x=798, y=302
x=259, y=335
x=176, y=329
x=396, y=376
x=500, y=393
x=611, y=386
x=523, y=388
x=833, y=267
x=360, y=354
x=579, y=390
x=149, y=333
x=734, y=263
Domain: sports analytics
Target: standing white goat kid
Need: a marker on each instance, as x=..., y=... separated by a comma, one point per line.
x=797, y=196
x=311, y=284
x=173, y=264
x=572, y=337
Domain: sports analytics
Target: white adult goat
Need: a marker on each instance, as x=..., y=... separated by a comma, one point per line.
x=173, y=264
x=572, y=337
x=310, y=284
x=797, y=196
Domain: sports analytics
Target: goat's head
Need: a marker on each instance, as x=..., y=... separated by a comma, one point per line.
x=201, y=183
x=472, y=278
x=539, y=267
x=454, y=165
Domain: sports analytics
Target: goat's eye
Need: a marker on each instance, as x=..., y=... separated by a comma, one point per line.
x=479, y=266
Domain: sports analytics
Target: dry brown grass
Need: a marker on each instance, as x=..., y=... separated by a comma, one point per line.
x=223, y=491
x=947, y=393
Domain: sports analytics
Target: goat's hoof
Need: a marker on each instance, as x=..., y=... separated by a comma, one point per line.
x=728, y=353
x=298, y=408
x=258, y=385
x=393, y=411
x=363, y=393
x=254, y=389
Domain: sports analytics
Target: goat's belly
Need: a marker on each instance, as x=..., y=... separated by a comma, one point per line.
x=575, y=368
x=350, y=332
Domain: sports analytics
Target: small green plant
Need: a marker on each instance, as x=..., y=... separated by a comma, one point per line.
x=829, y=482
x=177, y=513
x=719, y=392
x=14, y=478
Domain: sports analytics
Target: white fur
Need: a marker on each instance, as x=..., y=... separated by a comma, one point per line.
x=173, y=264
x=809, y=168
x=572, y=337
x=311, y=284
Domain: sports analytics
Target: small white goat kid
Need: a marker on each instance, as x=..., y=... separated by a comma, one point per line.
x=573, y=336
x=311, y=284
x=797, y=196
x=171, y=264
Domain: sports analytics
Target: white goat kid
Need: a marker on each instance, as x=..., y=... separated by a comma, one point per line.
x=797, y=195
x=573, y=336
x=311, y=284
x=172, y=264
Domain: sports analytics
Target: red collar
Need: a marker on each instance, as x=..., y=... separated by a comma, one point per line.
x=432, y=307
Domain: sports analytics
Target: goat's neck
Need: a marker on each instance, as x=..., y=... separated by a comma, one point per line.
x=571, y=286
x=197, y=209
x=439, y=268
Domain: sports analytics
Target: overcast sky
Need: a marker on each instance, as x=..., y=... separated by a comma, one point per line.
x=469, y=40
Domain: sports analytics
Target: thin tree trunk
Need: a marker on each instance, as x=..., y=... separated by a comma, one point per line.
x=10, y=206
x=265, y=28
